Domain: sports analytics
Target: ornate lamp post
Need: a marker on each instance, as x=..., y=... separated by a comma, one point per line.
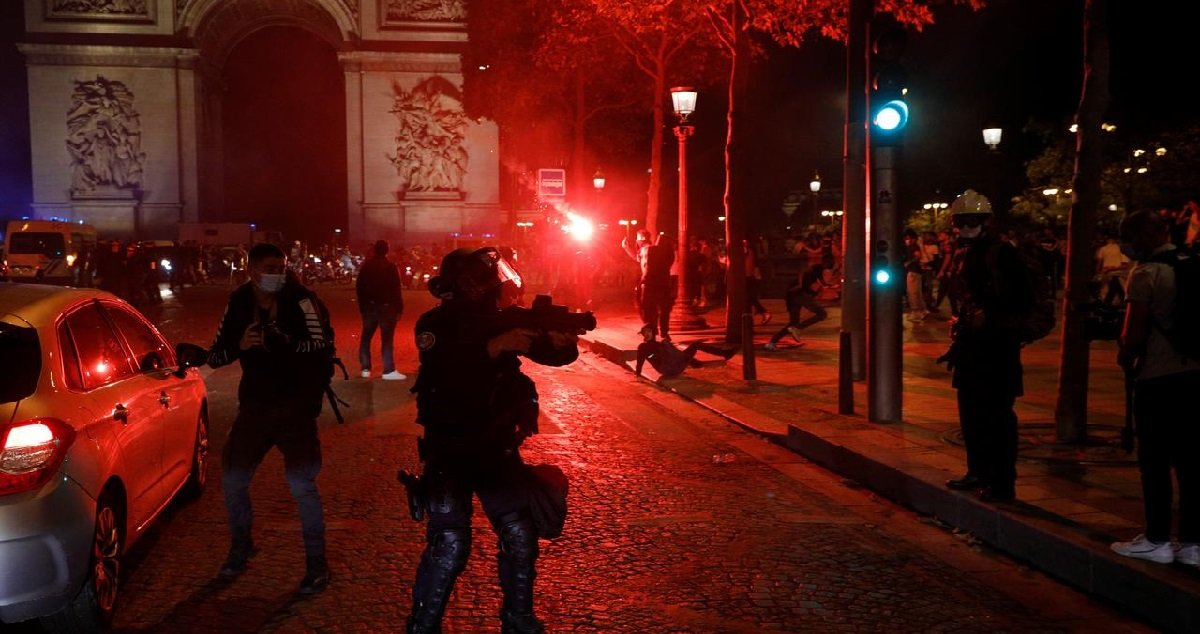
x=684, y=315
x=815, y=186
x=991, y=136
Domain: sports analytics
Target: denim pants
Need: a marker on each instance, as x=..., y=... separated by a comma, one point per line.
x=382, y=317
x=253, y=434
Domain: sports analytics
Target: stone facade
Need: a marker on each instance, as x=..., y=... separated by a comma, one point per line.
x=125, y=131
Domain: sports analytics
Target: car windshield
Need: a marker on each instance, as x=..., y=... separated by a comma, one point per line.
x=21, y=357
x=49, y=244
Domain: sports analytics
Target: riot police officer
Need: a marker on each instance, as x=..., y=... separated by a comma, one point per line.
x=994, y=296
x=476, y=408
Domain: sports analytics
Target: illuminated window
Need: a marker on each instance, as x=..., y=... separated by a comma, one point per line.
x=102, y=360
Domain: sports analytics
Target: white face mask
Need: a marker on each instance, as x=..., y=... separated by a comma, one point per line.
x=271, y=282
x=970, y=233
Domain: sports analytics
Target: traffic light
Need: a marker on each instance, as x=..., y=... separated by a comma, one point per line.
x=889, y=86
x=881, y=266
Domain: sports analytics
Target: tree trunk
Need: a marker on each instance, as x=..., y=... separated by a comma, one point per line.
x=735, y=218
x=656, y=148
x=581, y=184
x=1070, y=412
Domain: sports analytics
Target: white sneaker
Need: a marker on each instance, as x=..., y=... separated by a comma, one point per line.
x=1188, y=554
x=366, y=374
x=770, y=345
x=1142, y=548
x=394, y=376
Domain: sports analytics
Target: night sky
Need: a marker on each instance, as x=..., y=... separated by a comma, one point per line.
x=1015, y=61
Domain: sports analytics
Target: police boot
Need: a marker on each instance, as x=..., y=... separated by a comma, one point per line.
x=518, y=552
x=444, y=558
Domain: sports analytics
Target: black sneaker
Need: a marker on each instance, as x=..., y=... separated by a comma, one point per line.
x=966, y=483
x=240, y=554
x=316, y=578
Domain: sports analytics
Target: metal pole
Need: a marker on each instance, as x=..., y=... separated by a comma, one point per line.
x=885, y=327
x=684, y=315
x=749, y=369
x=854, y=186
x=845, y=379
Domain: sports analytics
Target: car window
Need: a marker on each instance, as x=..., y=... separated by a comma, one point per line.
x=49, y=244
x=21, y=358
x=102, y=360
x=150, y=352
x=70, y=359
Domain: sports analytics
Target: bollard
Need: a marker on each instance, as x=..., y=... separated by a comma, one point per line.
x=749, y=372
x=845, y=374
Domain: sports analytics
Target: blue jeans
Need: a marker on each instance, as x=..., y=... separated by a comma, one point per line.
x=253, y=434
x=382, y=317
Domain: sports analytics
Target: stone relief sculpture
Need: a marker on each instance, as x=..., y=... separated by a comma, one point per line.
x=424, y=10
x=430, y=156
x=102, y=7
x=104, y=137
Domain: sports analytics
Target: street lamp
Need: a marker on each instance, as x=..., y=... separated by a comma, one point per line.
x=991, y=137
x=934, y=209
x=598, y=180
x=815, y=186
x=684, y=315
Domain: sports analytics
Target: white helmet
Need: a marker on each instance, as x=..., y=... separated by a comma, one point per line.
x=971, y=202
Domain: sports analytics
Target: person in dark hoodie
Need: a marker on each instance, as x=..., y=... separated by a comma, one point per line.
x=380, y=303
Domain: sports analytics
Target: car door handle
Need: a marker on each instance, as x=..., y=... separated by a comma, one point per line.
x=121, y=413
x=163, y=399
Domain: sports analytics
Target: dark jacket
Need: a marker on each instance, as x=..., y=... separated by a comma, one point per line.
x=462, y=391
x=996, y=284
x=379, y=284
x=295, y=366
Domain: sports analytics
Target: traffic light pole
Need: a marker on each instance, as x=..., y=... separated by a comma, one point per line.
x=885, y=327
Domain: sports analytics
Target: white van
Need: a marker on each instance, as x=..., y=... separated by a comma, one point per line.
x=50, y=251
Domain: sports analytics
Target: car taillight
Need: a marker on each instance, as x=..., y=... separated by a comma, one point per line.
x=31, y=451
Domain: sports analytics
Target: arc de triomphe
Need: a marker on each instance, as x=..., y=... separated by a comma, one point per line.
x=125, y=112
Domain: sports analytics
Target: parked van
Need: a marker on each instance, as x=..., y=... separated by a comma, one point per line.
x=50, y=251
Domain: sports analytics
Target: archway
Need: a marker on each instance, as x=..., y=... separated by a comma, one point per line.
x=283, y=129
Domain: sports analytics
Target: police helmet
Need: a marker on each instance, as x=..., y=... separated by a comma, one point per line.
x=471, y=275
x=971, y=203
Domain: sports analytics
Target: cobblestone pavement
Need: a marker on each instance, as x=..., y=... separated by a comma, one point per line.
x=679, y=522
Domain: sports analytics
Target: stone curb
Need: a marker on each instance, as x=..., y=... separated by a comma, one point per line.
x=1043, y=540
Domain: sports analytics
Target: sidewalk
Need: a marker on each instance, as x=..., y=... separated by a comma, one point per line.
x=1072, y=502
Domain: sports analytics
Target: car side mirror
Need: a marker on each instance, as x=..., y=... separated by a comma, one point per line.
x=189, y=355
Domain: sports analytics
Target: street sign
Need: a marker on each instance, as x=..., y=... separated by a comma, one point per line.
x=552, y=183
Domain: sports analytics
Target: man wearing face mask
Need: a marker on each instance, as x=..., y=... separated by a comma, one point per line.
x=995, y=295
x=279, y=331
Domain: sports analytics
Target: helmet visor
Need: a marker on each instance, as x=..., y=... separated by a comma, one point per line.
x=498, y=271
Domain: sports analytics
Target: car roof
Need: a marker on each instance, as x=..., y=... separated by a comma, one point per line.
x=34, y=301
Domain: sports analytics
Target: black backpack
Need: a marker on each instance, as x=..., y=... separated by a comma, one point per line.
x=1184, y=333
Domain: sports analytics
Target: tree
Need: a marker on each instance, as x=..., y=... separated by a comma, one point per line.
x=788, y=23
x=659, y=37
x=1070, y=411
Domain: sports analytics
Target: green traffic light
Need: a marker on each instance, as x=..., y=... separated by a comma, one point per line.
x=882, y=276
x=892, y=116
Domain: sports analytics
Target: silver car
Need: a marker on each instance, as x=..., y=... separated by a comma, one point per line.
x=102, y=423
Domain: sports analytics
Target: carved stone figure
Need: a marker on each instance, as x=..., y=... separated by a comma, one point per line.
x=430, y=10
x=115, y=7
x=104, y=137
x=430, y=156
